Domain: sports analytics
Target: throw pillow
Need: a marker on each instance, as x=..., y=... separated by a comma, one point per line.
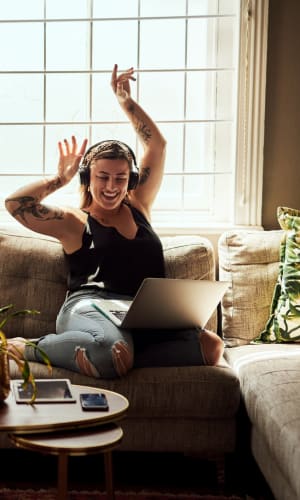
x=284, y=322
x=249, y=261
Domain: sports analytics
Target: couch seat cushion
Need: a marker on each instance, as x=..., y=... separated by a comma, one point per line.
x=181, y=392
x=270, y=385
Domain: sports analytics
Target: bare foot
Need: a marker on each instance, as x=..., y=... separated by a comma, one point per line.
x=16, y=346
x=212, y=347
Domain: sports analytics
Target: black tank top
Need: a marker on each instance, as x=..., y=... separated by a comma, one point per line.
x=111, y=262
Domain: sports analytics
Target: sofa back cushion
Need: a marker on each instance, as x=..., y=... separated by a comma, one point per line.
x=33, y=274
x=249, y=261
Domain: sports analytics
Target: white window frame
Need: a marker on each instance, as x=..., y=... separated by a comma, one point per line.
x=251, y=112
x=250, y=126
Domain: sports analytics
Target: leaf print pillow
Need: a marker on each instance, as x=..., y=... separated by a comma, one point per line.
x=284, y=322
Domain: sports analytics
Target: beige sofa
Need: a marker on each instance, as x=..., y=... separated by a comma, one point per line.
x=188, y=409
x=181, y=409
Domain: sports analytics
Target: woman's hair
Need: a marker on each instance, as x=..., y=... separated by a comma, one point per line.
x=111, y=149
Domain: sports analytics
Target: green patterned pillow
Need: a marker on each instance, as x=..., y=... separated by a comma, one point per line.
x=284, y=322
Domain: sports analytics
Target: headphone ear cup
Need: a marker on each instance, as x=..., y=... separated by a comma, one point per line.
x=133, y=180
x=84, y=175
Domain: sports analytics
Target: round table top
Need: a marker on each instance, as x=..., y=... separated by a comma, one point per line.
x=26, y=418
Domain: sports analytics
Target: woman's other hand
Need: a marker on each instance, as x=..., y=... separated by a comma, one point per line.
x=69, y=159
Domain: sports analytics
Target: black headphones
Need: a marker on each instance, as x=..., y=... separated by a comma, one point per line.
x=84, y=169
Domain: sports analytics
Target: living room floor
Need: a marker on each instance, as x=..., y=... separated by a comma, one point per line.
x=133, y=471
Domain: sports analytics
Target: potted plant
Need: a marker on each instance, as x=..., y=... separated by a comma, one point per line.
x=7, y=313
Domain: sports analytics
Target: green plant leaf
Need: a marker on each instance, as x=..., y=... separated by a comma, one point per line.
x=4, y=309
x=22, y=364
x=44, y=356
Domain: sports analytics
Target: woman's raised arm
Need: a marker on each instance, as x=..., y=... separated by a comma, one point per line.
x=154, y=144
x=26, y=206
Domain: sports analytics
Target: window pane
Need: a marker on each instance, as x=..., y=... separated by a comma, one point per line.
x=200, y=147
x=170, y=86
x=67, y=98
x=173, y=132
x=209, y=95
x=115, y=8
x=205, y=40
x=67, y=46
x=23, y=149
x=205, y=7
x=229, y=6
x=207, y=195
x=170, y=193
x=19, y=9
x=224, y=147
x=58, y=9
x=114, y=42
x=21, y=98
x=25, y=55
x=162, y=8
x=162, y=44
x=198, y=192
x=223, y=198
x=209, y=147
x=202, y=7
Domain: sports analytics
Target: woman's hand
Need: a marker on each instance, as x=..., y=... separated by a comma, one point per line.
x=120, y=83
x=69, y=159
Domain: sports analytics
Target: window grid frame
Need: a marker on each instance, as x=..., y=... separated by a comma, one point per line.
x=90, y=71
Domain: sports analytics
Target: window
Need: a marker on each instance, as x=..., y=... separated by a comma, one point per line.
x=200, y=75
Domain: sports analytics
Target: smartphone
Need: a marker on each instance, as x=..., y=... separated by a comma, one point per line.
x=94, y=401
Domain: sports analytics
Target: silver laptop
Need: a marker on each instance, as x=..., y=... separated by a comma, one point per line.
x=164, y=303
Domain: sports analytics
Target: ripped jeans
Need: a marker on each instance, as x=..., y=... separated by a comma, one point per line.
x=84, y=340
x=87, y=342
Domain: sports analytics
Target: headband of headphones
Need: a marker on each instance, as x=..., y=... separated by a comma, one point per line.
x=109, y=149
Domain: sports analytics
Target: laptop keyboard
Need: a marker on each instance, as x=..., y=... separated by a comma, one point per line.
x=119, y=314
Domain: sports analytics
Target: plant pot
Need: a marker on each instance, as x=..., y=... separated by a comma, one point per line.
x=4, y=376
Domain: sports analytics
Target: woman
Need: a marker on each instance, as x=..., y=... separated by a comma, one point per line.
x=110, y=247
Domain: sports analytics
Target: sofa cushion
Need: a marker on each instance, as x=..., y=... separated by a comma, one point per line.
x=249, y=260
x=32, y=276
x=190, y=257
x=163, y=392
x=284, y=321
x=269, y=375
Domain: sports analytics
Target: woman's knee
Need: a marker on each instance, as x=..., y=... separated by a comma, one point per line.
x=103, y=361
x=212, y=347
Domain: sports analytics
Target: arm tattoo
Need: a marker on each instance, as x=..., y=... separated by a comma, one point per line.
x=141, y=128
x=30, y=205
x=143, y=131
x=53, y=186
x=144, y=175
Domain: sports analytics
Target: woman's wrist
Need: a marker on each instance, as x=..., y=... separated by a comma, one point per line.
x=54, y=183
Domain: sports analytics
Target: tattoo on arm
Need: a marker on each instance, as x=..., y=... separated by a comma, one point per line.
x=30, y=205
x=53, y=186
x=144, y=175
x=141, y=128
x=143, y=131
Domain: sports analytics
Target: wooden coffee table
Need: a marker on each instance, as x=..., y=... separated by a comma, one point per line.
x=64, y=429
